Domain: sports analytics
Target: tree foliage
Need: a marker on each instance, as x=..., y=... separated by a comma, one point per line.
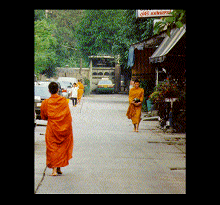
x=66, y=22
x=111, y=32
x=55, y=40
x=178, y=19
x=67, y=35
x=44, y=43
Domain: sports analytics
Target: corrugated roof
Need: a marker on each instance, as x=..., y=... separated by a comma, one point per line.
x=168, y=43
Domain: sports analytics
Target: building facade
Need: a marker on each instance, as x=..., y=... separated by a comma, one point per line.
x=103, y=67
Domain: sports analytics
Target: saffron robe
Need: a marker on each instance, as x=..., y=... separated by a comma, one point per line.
x=80, y=90
x=134, y=112
x=59, y=133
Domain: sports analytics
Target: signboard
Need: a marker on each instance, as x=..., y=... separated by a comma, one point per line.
x=171, y=99
x=152, y=13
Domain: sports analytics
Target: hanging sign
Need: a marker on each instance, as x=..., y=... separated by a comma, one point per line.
x=152, y=13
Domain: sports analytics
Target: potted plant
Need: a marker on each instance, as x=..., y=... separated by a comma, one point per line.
x=162, y=92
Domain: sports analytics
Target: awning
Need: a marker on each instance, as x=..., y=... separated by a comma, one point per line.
x=167, y=44
x=131, y=57
x=151, y=42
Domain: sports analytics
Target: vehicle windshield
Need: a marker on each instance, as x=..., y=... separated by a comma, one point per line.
x=42, y=91
x=65, y=84
x=105, y=82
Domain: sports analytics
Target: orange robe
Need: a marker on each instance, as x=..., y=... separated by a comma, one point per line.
x=59, y=133
x=134, y=112
x=80, y=90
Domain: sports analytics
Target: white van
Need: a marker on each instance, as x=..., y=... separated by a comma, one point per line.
x=66, y=90
x=69, y=79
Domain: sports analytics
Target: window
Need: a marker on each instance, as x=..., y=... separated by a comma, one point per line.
x=105, y=82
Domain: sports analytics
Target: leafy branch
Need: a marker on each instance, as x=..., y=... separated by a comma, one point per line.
x=178, y=19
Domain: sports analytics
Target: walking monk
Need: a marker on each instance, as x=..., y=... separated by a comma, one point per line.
x=80, y=90
x=59, y=134
x=136, y=97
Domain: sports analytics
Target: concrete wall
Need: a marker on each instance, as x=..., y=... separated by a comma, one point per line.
x=72, y=72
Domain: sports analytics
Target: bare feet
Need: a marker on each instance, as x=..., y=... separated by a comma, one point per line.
x=134, y=128
x=54, y=175
x=137, y=125
x=54, y=172
x=59, y=170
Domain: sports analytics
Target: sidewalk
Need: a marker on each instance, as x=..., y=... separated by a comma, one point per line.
x=164, y=137
x=177, y=140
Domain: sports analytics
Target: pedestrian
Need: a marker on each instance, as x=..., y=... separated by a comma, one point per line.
x=59, y=133
x=136, y=97
x=131, y=84
x=80, y=91
x=74, y=94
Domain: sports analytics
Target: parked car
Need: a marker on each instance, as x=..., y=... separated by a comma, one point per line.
x=46, y=83
x=35, y=118
x=105, y=86
x=41, y=93
x=66, y=88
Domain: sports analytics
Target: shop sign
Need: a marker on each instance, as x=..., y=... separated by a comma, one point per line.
x=152, y=13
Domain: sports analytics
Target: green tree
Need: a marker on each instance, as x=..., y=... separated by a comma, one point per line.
x=65, y=22
x=67, y=35
x=39, y=15
x=94, y=33
x=44, y=45
x=55, y=40
x=129, y=31
x=111, y=32
x=178, y=19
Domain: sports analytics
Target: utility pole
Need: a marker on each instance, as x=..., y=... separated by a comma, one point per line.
x=80, y=69
x=157, y=76
x=46, y=11
x=90, y=74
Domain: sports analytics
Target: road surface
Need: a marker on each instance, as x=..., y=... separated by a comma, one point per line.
x=108, y=157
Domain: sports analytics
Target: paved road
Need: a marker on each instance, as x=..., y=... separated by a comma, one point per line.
x=108, y=156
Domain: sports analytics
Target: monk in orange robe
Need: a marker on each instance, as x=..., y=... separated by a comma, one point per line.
x=59, y=133
x=80, y=90
x=136, y=97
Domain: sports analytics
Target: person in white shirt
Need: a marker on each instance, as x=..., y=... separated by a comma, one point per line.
x=131, y=84
x=73, y=94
